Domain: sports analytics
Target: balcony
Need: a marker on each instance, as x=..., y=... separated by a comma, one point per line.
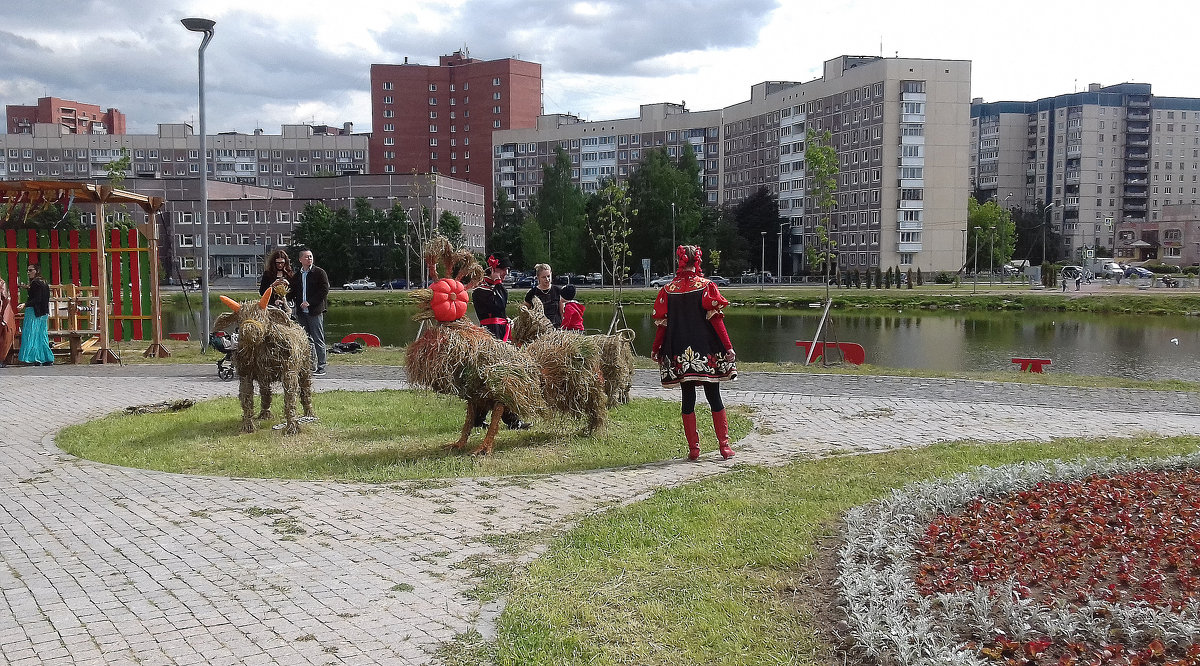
x=920, y=161
x=1138, y=143
x=906, y=204
x=1137, y=127
x=1031, y=171
x=908, y=247
x=912, y=140
x=1135, y=181
x=1134, y=116
x=1134, y=208
x=1074, y=153
x=912, y=182
x=1137, y=103
x=912, y=117
x=1135, y=193
x=508, y=155
x=1137, y=155
x=912, y=97
x=910, y=225
x=1136, y=168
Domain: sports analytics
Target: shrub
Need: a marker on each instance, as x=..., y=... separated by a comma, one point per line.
x=944, y=277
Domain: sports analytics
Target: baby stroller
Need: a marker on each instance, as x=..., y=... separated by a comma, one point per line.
x=225, y=344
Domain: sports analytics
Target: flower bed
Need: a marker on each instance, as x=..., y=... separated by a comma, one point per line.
x=1092, y=562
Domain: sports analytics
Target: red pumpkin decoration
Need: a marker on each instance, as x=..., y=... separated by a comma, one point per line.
x=449, y=300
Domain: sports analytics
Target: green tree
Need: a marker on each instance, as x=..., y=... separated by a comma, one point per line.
x=670, y=203
x=450, y=226
x=756, y=214
x=558, y=211
x=821, y=167
x=507, y=218
x=991, y=235
x=609, y=230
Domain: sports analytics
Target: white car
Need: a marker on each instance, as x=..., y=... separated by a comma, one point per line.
x=362, y=283
x=662, y=281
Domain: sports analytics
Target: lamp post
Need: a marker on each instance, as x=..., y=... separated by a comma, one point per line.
x=964, y=261
x=205, y=26
x=991, y=255
x=1046, y=223
x=779, y=264
x=673, y=245
x=975, y=272
x=762, y=264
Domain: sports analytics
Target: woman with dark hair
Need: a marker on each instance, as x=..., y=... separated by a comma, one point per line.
x=277, y=274
x=35, y=335
x=692, y=347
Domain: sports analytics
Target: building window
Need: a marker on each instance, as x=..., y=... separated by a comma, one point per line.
x=389, y=127
x=496, y=124
x=433, y=87
x=496, y=96
x=389, y=141
x=387, y=85
x=433, y=128
x=432, y=101
x=495, y=82
x=388, y=99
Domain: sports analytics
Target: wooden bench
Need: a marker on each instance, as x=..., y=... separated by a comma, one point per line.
x=1032, y=364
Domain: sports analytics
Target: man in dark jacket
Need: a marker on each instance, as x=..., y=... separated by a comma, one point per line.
x=310, y=290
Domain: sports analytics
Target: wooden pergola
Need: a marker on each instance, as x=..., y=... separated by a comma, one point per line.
x=46, y=192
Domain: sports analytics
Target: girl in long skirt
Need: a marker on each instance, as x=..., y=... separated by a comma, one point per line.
x=35, y=336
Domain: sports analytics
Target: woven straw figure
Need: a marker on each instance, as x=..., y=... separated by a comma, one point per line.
x=271, y=348
x=456, y=357
x=616, y=351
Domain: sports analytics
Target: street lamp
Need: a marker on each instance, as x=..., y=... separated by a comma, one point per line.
x=1046, y=223
x=975, y=272
x=779, y=264
x=964, y=261
x=205, y=26
x=991, y=255
x=673, y=245
x=762, y=264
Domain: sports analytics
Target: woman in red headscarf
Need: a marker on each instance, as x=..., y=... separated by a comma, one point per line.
x=692, y=347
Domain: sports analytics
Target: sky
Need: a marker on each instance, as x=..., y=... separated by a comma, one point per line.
x=274, y=62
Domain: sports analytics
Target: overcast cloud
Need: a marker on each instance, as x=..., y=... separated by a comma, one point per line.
x=275, y=62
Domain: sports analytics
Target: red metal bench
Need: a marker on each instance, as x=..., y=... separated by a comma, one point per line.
x=1032, y=364
x=367, y=339
x=852, y=352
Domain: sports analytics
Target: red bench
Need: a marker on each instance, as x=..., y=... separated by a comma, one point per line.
x=367, y=339
x=852, y=352
x=1032, y=364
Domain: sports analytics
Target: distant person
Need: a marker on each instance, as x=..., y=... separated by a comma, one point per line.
x=546, y=292
x=35, y=332
x=572, y=310
x=310, y=292
x=8, y=324
x=1078, y=282
x=277, y=273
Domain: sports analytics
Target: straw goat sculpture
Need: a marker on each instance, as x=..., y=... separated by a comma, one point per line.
x=271, y=348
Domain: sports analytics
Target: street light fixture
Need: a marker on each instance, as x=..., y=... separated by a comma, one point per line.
x=1046, y=223
x=762, y=264
x=205, y=26
x=779, y=264
x=673, y=245
x=975, y=272
x=991, y=255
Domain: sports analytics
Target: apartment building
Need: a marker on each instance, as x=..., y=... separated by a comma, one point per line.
x=439, y=119
x=69, y=116
x=246, y=222
x=265, y=160
x=1101, y=165
x=900, y=127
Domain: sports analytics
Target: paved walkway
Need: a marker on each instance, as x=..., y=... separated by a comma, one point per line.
x=105, y=565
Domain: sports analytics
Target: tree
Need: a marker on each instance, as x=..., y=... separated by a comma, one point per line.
x=821, y=166
x=994, y=247
x=558, y=211
x=450, y=226
x=670, y=204
x=609, y=231
x=507, y=218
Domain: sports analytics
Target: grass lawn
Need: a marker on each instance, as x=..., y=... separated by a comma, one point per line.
x=379, y=437
x=717, y=571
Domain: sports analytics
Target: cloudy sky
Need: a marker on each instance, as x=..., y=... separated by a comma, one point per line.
x=274, y=62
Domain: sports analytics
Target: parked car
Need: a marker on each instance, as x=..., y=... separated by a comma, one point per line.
x=525, y=281
x=398, y=283
x=361, y=283
x=1071, y=272
x=720, y=281
x=1138, y=272
x=593, y=278
x=662, y=281
x=638, y=279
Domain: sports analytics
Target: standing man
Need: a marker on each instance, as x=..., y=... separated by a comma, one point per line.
x=310, y=288
x=491, y=303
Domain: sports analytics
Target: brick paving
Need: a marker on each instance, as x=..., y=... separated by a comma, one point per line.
x=106, y=565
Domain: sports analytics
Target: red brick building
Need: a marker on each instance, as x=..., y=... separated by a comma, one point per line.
x=428, y=119
x=72, y=117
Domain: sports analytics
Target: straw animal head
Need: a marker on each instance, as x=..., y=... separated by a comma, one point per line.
x=443, y=261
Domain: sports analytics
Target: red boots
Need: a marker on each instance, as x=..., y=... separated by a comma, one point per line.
x=692, y=435
x=721, y=428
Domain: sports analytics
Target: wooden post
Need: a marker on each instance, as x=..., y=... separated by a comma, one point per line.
x=104, y=354
x=156, y=349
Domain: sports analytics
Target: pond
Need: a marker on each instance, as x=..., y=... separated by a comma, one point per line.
x=1078, y=343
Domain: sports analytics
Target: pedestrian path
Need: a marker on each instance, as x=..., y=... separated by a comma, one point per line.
x=106, y=565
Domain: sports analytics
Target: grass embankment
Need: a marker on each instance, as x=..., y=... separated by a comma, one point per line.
x=716, y=571
x=379, y=437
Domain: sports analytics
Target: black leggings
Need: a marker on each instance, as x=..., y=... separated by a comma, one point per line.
x=712, y=392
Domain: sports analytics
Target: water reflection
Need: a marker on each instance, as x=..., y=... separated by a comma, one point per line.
x=1117, y=345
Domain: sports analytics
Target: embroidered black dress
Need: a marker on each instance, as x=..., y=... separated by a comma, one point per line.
x=491, y=306
x=691, y=351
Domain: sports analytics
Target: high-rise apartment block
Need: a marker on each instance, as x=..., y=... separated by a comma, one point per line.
x=900, y=127
x=70, y=117
x=440, y=119
x=265, y=160
x=1101, y=166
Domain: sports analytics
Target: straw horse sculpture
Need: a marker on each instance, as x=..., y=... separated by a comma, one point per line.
x=456, y=357
x=271, y=348
x=616, y=351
